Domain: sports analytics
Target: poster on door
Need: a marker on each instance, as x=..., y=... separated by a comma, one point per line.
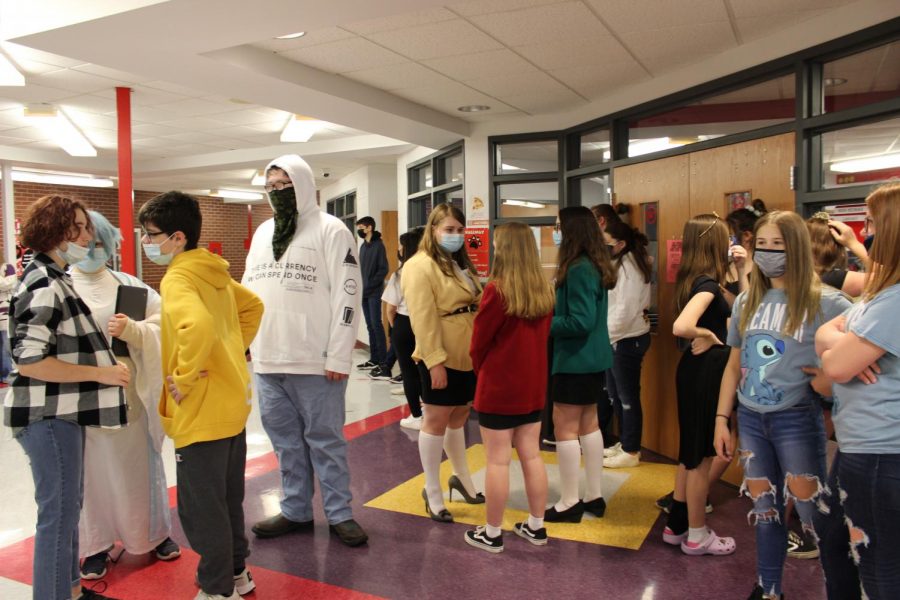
x=478, y=246
x=673, y=259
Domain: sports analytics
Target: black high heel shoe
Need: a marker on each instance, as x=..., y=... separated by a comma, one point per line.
x=572, y=514
x=442, y=517
x=456, y=485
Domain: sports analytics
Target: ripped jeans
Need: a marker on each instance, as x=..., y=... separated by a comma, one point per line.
x=777, y=448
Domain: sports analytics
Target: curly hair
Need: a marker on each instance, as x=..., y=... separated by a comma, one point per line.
x=50, y=221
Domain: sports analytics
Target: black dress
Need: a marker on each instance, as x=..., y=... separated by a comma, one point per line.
x=698, y=378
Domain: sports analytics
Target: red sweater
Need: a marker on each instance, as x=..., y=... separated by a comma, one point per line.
x=509, y=355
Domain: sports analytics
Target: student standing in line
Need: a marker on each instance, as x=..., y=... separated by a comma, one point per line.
x=702, y=318
x=442, y=291
x=629, y=333
x=860, y=350
x=509, y=354
x=65, y=377
x=772, y=367
x=402, y=339
x=373, y=268
x=581, y=354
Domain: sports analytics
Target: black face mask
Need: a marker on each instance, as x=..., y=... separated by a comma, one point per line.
x=362, y=233
x=284, y=204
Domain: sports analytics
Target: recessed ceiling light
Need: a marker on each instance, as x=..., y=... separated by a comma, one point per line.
x=834, y=81
x=291, y=36
x=473, y=108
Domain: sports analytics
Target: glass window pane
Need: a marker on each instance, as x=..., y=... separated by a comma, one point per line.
x=863, y=78
x=330, y=207
x=547, y=250
x=595, y=148
x=421, y=179
x=454, y=197
x=339, y=207
x=528, y=157
x=865, y=154
x=350, y=204
x=452, y=167
x=516, y=200
x=768, y=103
x=595, y=190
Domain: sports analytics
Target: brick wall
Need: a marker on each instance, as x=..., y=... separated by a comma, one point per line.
x=224, y=223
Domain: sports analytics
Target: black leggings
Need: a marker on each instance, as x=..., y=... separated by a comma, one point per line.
x=404, y=342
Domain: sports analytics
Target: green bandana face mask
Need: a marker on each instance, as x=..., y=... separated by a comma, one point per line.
x=284, y=203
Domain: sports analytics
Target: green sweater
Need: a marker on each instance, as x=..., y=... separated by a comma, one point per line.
x=580, y=337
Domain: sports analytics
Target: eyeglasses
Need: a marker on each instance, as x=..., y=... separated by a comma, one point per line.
x=708, y=229
x=151, y=234
x=278, y=185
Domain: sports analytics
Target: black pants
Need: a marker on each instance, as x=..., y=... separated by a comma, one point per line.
x=403, y=341
x=210, y=505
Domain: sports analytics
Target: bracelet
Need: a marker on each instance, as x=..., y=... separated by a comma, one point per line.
x=726, y=417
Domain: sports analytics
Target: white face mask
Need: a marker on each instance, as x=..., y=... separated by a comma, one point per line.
x=155, y=254
x=73, y=253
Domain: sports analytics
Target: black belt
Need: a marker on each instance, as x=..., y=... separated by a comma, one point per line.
x=463, y=309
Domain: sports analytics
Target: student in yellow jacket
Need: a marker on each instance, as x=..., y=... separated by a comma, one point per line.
x=208, y=321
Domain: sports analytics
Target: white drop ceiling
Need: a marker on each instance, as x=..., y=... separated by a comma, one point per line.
x=212, y=89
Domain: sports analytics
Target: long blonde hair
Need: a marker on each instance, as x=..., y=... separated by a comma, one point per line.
x=884, y=209
x=704, y=251
x=430, y=246
x=801, y=282
x=517, y=272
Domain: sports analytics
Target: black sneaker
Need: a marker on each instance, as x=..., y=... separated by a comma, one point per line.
x=367, y=365
x=380, y=374
x=537, y=537
x=665, y=503
x=478, y=537
x=94, y=566
x=87, y=594
x=168, y=550
x=801, y=545
x=398, y=378
x=758, y=594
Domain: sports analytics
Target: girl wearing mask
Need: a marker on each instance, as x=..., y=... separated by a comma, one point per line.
x=860, y=350
x=65, y=378
x=702, y=318
x=126, y=497
x=509, y=353
x=771, y=366
x=442, y=292
x=629, y=333
x=581, y=354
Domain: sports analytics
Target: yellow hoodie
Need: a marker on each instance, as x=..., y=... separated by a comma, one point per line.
x=208, y=321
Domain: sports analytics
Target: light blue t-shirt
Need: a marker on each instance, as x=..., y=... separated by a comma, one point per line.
x=867, y=417
x=771, y=375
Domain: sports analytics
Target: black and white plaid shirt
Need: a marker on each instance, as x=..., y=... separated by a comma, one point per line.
x=48, y=319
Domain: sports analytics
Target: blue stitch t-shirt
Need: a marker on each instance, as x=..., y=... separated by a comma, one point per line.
x=867, y=417
x=771, y=361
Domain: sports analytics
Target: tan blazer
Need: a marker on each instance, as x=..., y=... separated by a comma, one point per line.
x=430, y=298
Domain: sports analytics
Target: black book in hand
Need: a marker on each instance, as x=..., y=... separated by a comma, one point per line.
x=131, y=301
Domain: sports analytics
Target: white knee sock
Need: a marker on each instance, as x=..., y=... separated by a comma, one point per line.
x=568, y=458
x=592, y=448
x=430, y=451
x=455, y=447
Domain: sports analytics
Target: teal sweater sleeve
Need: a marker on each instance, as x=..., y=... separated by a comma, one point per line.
x=576, y=302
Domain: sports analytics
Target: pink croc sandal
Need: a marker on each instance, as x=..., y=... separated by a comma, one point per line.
x=713, y=544
x=675, y=539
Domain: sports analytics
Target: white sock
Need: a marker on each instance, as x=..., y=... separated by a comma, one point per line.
x=430, y=451
x=455, y=447
x=535, y=523
x=697, y=535
x=492, y=531
x=592, y=448
x=568, y=457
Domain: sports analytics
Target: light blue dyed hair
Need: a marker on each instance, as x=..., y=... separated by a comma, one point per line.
x=105, y=232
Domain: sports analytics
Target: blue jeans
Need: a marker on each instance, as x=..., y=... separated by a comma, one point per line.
x=55, y=449
x=775, y=447
x=303, y=415
x=5, y=359
x=371, y=307
x=623, y=384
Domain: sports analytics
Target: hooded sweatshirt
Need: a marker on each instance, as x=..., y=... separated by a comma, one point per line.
x=311, y=294
x=374, y=265
x=208, y=321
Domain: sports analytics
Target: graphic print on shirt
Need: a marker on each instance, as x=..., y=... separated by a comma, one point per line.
x=760, y=352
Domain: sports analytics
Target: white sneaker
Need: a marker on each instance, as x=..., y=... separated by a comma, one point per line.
x=397, y=391
x=411, y=422
x=243, y=583
x=622, y=460
x=612, y=450
x=204, y=596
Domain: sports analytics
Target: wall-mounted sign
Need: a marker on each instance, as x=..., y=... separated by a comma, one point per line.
x=673, y=259
x=478, y=246
x=737, y=200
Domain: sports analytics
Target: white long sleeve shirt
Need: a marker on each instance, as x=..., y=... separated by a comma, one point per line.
x=627, y=303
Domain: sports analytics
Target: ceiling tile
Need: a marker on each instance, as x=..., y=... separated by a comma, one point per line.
x=485, y=7
x=194, y=137
x=90, y=120
x=662, y=49
x=448, y=98
x=625, y=16
x=9, y=141
x=190, y=107
x=33, y=67
x=563, y=99
x=401, y=21
x=395, y=77
x=174, y=88
x=75, y=81
x=599, y=80
x=768, y=8
x=110, y=73
x=146, y=96
x=150, y=114
x=89, y=103
x=355, y=54
x=194, y=124
x=148, y=129
x=17, y=52
x=26, y=133
x=12, y=118
x=492, y=63
x=245, y=116
x=565, y=52
x=753, y=28
x=318, y=36
x=447, y=38
x=515, y=84
x=33, y=93
x=571, y=20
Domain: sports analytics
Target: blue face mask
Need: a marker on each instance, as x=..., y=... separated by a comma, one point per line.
x=73, y=254
x=557, y=238
x=451, y=242
x=154, y=253
x=95, y=263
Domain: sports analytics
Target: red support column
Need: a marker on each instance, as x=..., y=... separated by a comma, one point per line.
x=126, y=193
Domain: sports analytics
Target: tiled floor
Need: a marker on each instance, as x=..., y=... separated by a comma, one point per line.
x=410, y=556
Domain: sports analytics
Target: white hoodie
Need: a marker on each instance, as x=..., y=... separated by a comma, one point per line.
x=311, y=295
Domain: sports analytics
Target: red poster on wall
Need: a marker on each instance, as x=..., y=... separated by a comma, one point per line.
x=216, y=248
x=478, y=245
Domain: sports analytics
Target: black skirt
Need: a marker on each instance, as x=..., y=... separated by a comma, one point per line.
x=495, y=421
x=460, y=388
x=582, y=389
x=697, y=382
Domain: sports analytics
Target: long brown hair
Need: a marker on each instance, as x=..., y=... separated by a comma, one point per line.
x=430, y=246
x=827, y=253
x=582, y=237
x=704, y=251
x=517, y=272
x=635, y=243
x=801, y=282
x=884, y=209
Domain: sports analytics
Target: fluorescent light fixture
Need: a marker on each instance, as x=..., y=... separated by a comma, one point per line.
x=654, y=145
x=259, y=178
x=470, y=108
x=291, y=36
x=62, y=179
x=871, y=163
x=301, y=129
x=9, y=74
x=59, y=129
x=505, y=167
x=236, y=195
x=524, y=203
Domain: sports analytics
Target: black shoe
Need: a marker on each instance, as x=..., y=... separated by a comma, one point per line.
x=572, y=514
x=456, y=485
x=380, y=373
x=168, y=550
x=94, y=566
x=665, y=503
x=279, y=525
x=398, y=378
x=367, y=365
x=88, y=594
x=758, y=594
x=596, y=507
x=442, y=517
x=801, y=545
x=478, y=537
x=538, y=537
x=350, y=533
